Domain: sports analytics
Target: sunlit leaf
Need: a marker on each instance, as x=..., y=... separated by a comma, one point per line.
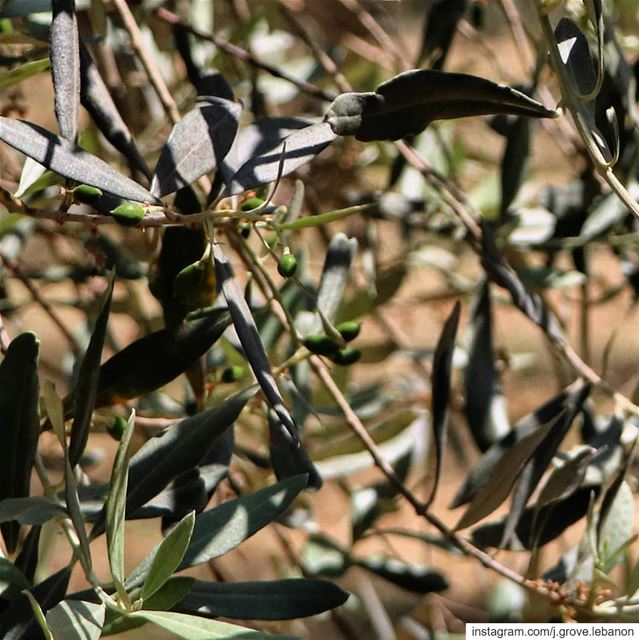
x=196, y=145
x=71, y=162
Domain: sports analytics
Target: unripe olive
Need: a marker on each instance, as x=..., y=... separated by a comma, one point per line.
x=117, y=427
x=321, y=345
x=86, y=193
x=195, y=285
x=232, y=374
x=252, y=203
x=287, y=265
x=349, y=330
x=128, y=214
x=346, y=356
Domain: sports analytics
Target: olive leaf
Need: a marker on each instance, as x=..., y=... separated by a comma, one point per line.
x=258, y=138
x=196, y=145
x=410, y=101
x=156, y=359
x=504, y=475
x=76, y=620
x=22, y=72
x=574, y=54
x=533, y=471
x=544, y=414
x=412, y=577
x=71, y=162
x=292, y=152
x=244, y=324
x=65, y=67
x=263, y=600
x=485, y=407
x=85, y=391
x=19, y=427
x=556, y=518
x=96, y=99
x=442, y=369
x=440, y=27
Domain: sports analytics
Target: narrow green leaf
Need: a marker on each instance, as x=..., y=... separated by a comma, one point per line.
x=86, y=388
x=11, y=578
x=96, y=99
x=269, y=600
x=22, y=72
x=194, y=628
x=244, y=324
x=19, y=428
x=504, y=475
x=442, y=369
x=38, y=615
x=31, y=510
x=616, y=528
x=55, y=411
x=168, y=556
x=76, y=620
x=71, y=162
x=412, y=577
x=223, y=528
x=156, y=359
x=116, y=504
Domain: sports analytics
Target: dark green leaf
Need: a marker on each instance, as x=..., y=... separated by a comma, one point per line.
x=244, y=324
x=479, y=476
x=85, y=391
x=273, y=600
x=289, y=458
x=18, y=623
x=19, y=428
x=196, y=145
x=20, y=8
x=442, y=18
x=31, y=510
x=11, y=579
x=71, y=162
x=22, y=72
x=178, y=449
x=221, y=529
x=537, y=465
x=409, y=102
x=294, y=151
x=321, y=556
x=557, y=517
x=412, y=577
x=485, y=404
x=156, y=359
x=513, y=161
x=96, y=99
x=442, y=369
x=504, y=475
x=65, y=67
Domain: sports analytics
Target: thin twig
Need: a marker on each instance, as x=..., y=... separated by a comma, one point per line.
x=140, y=48
x=242, y=54
x=15, y=269
x=376, y=30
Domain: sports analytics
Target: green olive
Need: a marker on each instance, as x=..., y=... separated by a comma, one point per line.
x=86, y=193
x=196, y=285
x=346, y=356
x=321, y=345
x=287, y=265
x=232, y=374
x=117, y=427
x=128, y=214
x=349, y=330
x=252, y=203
